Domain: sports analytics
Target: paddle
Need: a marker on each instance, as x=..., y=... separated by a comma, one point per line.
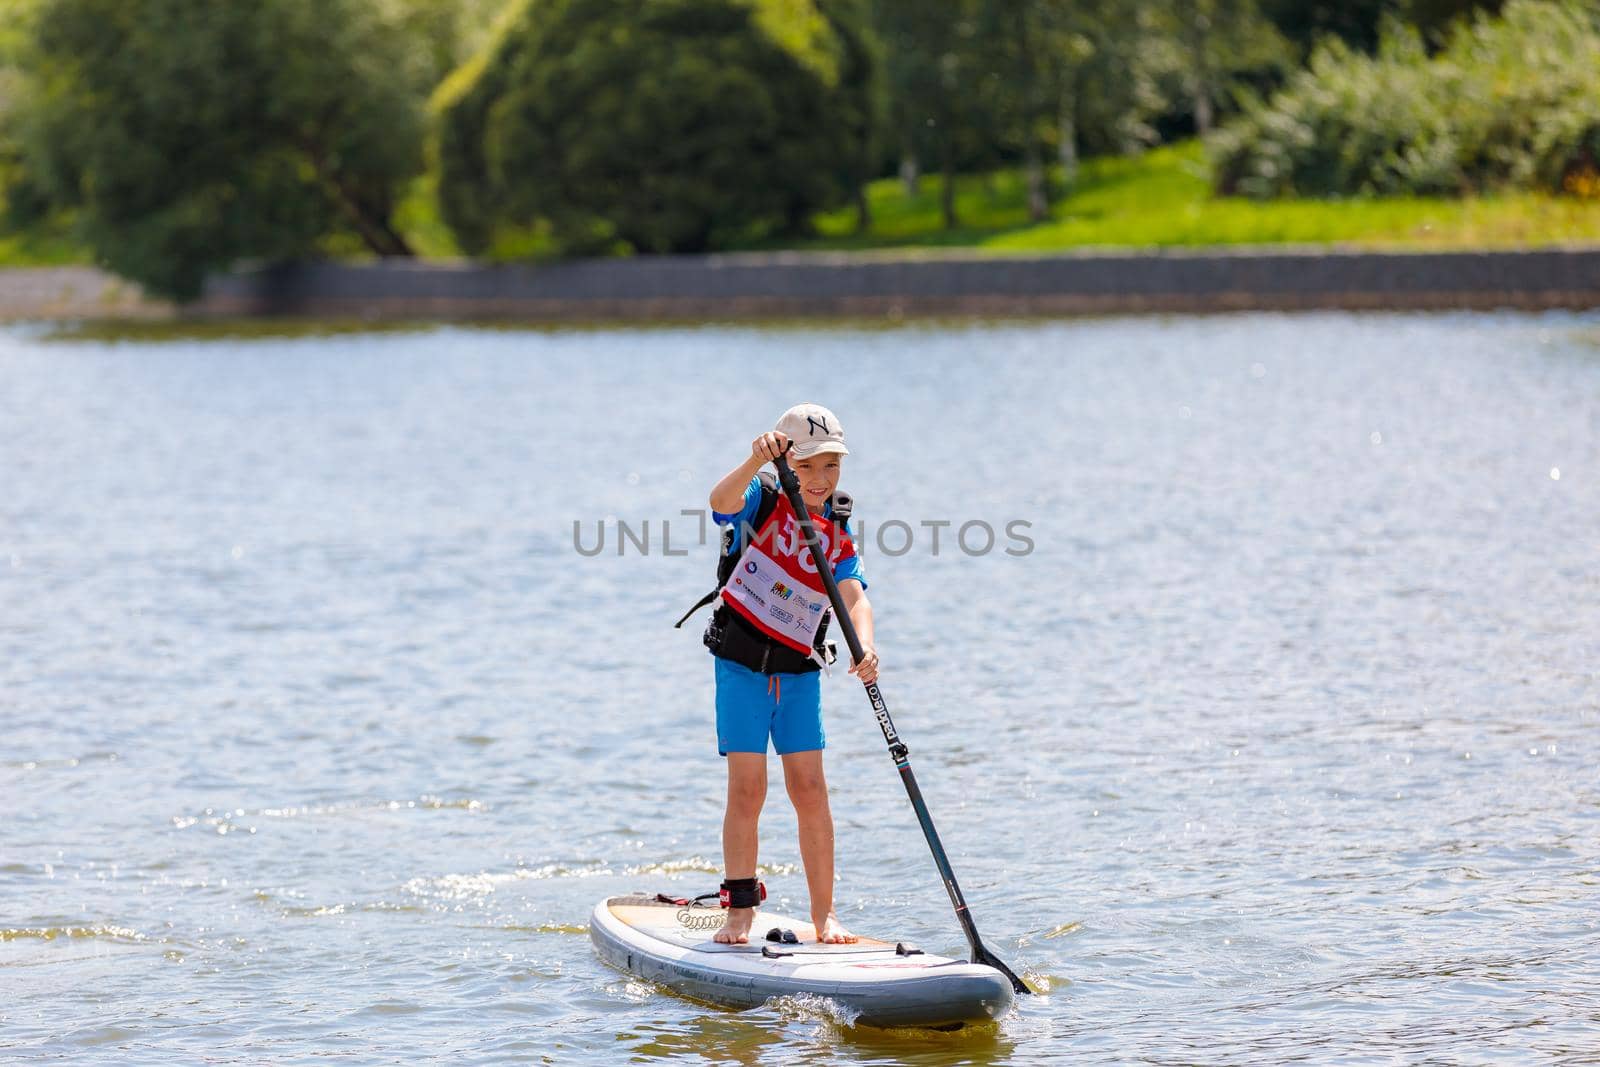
x=897, y=748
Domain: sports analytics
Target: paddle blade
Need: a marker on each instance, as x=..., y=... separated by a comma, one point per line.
x=989, y=959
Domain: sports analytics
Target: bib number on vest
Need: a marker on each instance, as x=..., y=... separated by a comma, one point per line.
x=791, y=544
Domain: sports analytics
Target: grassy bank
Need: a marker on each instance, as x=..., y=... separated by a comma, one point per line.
x=1160, y=199
x=1163, y=199
x=47, y=245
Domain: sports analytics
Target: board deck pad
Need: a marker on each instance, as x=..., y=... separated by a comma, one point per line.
x=662, y=921
x=887, y=983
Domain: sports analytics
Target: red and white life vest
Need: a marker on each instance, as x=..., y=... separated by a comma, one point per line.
x=775, y=584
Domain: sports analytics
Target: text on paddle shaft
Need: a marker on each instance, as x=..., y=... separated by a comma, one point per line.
x=880, y=711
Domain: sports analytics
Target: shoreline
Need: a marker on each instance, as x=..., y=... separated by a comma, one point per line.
x=853, y=285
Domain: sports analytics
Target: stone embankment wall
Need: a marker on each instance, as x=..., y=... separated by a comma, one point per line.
x=650, y=288
x=72, y=293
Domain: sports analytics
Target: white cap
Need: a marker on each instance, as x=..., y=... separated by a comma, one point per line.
x=812, y=428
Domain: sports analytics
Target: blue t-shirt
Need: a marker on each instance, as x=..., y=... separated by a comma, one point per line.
x=746, y=516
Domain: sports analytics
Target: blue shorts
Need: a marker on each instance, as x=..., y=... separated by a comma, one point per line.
x=751, y=707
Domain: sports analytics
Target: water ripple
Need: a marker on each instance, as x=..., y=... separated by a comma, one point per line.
x=321, y=741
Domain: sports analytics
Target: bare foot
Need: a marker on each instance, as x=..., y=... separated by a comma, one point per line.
x=829, y=932
x=736, y=931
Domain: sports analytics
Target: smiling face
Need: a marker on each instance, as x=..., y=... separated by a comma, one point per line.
x=818, y=475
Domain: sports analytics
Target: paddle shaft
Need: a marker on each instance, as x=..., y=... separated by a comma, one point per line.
x=897, y=748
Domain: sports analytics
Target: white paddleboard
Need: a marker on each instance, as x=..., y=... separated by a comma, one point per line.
x=885, y=983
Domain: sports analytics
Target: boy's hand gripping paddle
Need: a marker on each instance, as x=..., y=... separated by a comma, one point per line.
x=897, y=748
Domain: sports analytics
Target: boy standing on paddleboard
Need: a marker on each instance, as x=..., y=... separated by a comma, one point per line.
x=768, y=639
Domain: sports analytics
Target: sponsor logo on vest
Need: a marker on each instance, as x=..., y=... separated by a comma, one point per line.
x=781, y=615
x=750, y=566
x=779, y=589
x=815, y=606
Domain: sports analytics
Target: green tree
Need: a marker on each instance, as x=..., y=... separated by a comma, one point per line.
x=662, y=125
x=1355, y=22
x=977, y=83
x=1103, y=71
x=16, y=194
x=1436, y=18
x=442, y=34
x=1512, y=101
x=188, y=138
x=934, y=60
x=1216, y=43
x=1020, y=36
x=1082, y=75
x=1111, y=88
x=1359, y=23
x=860, y=96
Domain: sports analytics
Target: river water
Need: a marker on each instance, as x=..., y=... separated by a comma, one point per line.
x=1266, y=730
